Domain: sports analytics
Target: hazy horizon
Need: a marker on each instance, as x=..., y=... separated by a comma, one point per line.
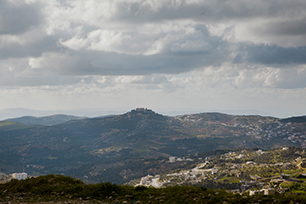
x=20, y=112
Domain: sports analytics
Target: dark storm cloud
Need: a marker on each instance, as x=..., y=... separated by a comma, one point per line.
x=206, y=11
x=106, y=63
x=29, y=49
x=79, y=39
x=181, y=55
x=284, y=27
x=271, y=54
x=16, y=18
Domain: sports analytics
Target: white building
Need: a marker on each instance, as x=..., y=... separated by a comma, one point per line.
x=19, y=176
x=269, y=191
x=171, y=159
x=146, y=181
x=240, y=156
x=256, y=192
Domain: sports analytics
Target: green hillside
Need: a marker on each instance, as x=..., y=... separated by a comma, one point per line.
x=300, y=119
x=125, y=147
x=47, y=120
x=10, y=125
x=225, y=169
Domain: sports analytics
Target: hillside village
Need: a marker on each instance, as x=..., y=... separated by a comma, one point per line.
x=4, y=178
x=258, y=127
x=252, y=171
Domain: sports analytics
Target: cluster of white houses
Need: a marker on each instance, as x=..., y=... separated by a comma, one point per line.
x=176, y=159
x=6, y=178
x=19, y=176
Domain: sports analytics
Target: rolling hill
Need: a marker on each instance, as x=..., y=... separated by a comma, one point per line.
x=124, y=147
x=47, y=120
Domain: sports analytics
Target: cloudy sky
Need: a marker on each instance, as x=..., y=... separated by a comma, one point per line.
x=178, y=55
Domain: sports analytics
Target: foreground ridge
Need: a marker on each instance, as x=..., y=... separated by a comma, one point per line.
x=63, y=189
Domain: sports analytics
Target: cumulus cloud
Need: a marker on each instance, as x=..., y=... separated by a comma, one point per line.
x=242, y=77
x=176, y=57
x=64, y=42
x=17, y=16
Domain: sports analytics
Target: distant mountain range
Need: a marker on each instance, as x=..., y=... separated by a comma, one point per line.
x=124, y=147
x=47, y=120
x=21, y=112
x=300, y=119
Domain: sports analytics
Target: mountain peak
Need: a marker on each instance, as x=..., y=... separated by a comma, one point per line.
x=143, y=113
x=144, y=110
